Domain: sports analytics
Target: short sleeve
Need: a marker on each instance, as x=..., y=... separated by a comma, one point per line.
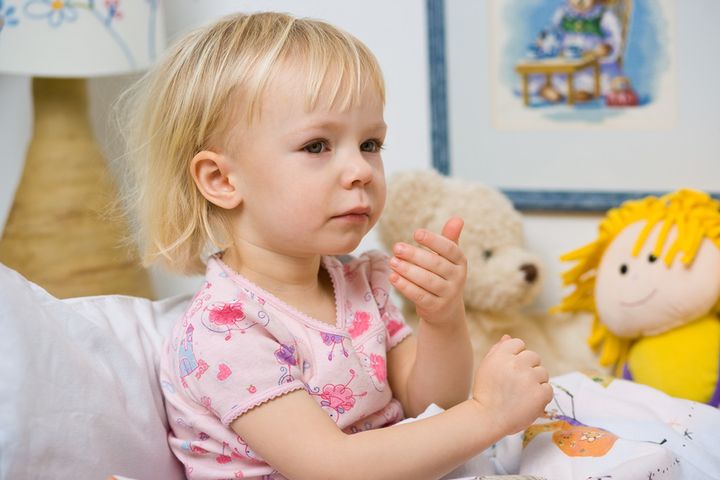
x=379, y=278
x=229, y=362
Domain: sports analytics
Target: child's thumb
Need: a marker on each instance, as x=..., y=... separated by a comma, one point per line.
x=497, y=344
x=452, y=229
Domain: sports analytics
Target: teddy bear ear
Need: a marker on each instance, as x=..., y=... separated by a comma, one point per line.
x=411, y=203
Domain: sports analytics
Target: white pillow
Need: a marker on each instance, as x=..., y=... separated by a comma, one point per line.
x=79, y=391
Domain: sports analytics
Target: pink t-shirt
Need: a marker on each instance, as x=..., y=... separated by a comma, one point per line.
x=238, y=346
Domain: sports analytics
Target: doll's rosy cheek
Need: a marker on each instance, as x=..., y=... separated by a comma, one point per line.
x=622, y=280
x=695, y=288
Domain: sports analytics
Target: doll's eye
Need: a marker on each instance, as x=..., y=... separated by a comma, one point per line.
x=652, y=258
x=487, y=254
x=623, y=269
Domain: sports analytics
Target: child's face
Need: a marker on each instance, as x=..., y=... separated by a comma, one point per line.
x=311, y=182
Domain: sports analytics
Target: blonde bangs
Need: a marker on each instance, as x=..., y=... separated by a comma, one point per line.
x=335, y=66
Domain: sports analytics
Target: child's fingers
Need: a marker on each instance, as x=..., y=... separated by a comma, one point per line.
x=529, y=358
x=423, y=278
x=424, y=259
x=420, y=297
x=439, y=244
x=452, y=229
x=547, y=391
x=512, y=345
x=499, y=342
x=541, y=374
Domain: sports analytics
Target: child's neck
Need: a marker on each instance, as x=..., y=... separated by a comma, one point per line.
x=296, y=281
x=279, y=274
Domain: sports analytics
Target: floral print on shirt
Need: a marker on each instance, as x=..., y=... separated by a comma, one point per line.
x=237, y=346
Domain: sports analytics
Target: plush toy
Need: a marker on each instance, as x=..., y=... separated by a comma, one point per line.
x=503, y=275
x=652, y=281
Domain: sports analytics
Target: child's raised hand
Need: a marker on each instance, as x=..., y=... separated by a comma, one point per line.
x=433, y=278
x=511, y=385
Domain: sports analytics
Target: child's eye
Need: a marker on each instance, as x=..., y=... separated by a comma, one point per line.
x=315, y=147
x=372, y=146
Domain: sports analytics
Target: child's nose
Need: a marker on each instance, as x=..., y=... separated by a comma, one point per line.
x=357, y=170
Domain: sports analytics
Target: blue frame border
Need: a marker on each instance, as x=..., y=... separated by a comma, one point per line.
x=438, y=86
x=571, y=200
x=524, y=200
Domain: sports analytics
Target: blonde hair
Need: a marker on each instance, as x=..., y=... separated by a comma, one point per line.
x=696, y=217
x=186, y=102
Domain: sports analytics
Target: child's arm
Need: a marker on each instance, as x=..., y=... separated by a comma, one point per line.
x=437, y=367
x=296, y=437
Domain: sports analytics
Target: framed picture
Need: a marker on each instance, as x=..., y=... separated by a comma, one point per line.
x=576, y=105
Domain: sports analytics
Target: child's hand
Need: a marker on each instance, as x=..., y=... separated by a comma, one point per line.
x=433, y=277
x=511, y=385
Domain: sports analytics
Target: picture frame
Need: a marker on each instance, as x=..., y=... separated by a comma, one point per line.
x=580, y=190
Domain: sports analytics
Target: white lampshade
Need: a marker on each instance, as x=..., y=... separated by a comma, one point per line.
x=80, y=38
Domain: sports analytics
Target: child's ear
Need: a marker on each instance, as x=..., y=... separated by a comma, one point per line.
x=215, y=176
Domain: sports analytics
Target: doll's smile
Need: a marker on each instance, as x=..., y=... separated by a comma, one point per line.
x=641, y=301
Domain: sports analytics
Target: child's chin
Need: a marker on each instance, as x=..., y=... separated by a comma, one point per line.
x=344, y=248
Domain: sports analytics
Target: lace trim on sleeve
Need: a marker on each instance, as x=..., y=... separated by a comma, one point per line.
x=238, y=410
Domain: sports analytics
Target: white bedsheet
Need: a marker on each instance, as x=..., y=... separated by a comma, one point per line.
x=602, y=428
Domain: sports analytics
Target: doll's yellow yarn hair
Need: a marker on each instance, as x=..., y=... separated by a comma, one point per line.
x=696, y=216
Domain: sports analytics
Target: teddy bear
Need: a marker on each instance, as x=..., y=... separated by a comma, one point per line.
x=503, y=276
x=652, y=281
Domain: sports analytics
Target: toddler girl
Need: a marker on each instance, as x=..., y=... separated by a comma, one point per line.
x=261, y=135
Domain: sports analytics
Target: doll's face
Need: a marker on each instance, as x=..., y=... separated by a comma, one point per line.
x=640, y=296
x=582, y=6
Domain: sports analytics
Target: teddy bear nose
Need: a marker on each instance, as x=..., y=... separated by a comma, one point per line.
x=530, y=271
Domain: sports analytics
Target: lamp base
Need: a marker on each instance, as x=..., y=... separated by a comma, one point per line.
x=59, y=234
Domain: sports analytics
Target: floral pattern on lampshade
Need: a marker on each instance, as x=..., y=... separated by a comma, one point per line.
x=107, y=36
x=55, y=11
x=7, y=15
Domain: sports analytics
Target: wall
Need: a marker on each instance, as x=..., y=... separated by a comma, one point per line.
x=15, y=128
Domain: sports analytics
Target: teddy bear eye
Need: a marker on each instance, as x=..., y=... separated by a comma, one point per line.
x=652, y=258
x=487, y=254
x=623, y=269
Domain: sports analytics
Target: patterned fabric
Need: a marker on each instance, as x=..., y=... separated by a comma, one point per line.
x=238, y=346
